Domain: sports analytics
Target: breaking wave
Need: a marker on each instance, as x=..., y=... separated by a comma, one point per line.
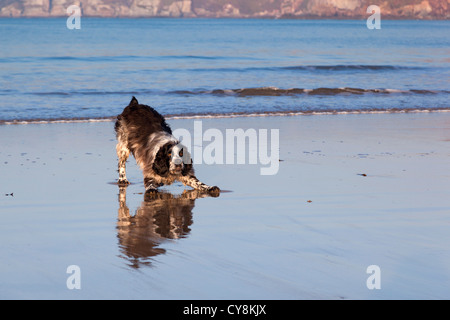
x=273, y=91
x=246, y=92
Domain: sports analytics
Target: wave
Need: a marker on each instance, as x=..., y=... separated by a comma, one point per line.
x=248, y=92
x=91, y=92
x=233, y=115
x=274, y=91
x=305, y=68
x=119, y=58
x=351, y=67
x=301, y=68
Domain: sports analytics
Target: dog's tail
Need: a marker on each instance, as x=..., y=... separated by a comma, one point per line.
x=133, y=101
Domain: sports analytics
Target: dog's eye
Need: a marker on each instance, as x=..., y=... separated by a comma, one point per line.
x=181, y=153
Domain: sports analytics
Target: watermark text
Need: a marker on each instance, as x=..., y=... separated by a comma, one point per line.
x=374, y=21
x=234, y=146
x=74, y=19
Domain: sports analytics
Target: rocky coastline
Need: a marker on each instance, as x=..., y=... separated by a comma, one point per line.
x=292, y=9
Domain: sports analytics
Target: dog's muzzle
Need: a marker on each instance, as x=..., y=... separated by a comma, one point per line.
x=177, y=164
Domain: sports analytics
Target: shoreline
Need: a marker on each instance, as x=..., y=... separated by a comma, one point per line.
x=230, y=115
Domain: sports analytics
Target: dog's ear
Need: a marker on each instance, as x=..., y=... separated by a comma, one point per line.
x=187, y=161
x=187, y=168
x=133, y=101
x=161, y=163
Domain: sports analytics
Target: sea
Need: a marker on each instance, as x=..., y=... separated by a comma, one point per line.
x=220, y=67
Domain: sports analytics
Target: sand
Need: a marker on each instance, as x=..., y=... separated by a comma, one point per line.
x=351, y=191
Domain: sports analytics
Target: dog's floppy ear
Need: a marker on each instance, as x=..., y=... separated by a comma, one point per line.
x=161, y=162
x=187, y=161
x=187, y=169
x=133, y=101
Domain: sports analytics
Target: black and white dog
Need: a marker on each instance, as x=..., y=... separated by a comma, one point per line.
x=142, y=131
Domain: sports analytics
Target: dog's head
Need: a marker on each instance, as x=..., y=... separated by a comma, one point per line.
x=172, y=159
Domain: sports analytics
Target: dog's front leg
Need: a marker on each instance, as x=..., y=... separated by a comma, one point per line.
x=122, y=153
x=193, y=182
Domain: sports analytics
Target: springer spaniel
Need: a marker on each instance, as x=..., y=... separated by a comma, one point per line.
x=142, y=131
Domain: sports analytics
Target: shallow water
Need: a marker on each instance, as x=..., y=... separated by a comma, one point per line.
x=202, y=66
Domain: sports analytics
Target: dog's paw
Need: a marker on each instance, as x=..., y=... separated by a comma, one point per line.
x=151, y=191
x=123, y=182
x=152, y=194
x=214, y=191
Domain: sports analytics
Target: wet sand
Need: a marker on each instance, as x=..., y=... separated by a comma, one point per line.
x=351, y=191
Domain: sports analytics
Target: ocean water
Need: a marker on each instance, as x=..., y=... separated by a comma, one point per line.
x=222, y=67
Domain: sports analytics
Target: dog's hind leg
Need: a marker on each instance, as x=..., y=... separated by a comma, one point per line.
x=122, y=153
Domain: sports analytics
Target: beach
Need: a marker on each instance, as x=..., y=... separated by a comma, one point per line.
x=351, y=191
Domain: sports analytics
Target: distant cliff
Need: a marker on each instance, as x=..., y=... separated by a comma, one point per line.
x=394, y=9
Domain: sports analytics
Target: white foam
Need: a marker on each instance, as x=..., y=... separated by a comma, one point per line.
x=394, y=90
x=12, y=122
x=235, y=115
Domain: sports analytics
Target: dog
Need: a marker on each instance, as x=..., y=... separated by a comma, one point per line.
x=144, y=133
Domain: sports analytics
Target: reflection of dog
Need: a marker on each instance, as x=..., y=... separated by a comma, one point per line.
x=142, y=131
x=161, y=216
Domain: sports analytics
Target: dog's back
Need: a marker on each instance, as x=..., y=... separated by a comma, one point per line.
x=141, y=118
x=137, y=122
